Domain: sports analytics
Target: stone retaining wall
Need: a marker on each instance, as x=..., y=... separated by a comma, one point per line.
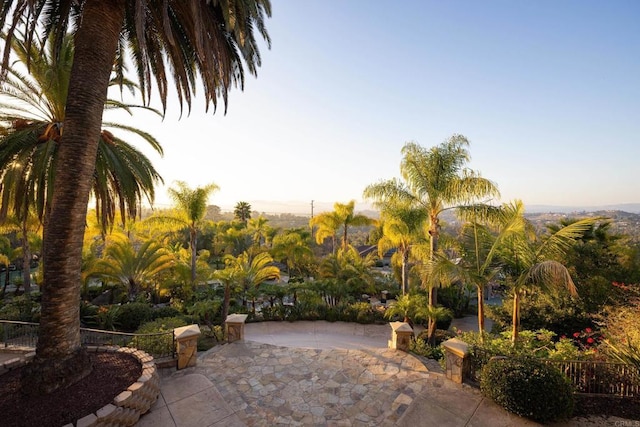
x=128, y=406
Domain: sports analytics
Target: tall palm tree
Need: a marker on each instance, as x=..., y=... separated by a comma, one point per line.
x=342, y=217
x=132, y=264
x=434, y=180
x=195, y=41
x=191, y=207
x=326, y=225
x=242, y=212
x=400, y=231
x=32, y=124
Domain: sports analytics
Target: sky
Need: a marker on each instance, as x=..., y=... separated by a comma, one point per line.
x=547, y=93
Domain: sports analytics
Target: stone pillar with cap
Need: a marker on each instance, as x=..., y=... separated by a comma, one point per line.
x=234, y=327
x=187, y=345
x=456, y=354
x=401, y=334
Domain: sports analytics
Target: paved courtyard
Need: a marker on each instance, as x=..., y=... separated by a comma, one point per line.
x=254, y=383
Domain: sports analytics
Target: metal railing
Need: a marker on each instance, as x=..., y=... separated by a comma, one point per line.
x=25, y=335
x=605, y=378
x=587, y=377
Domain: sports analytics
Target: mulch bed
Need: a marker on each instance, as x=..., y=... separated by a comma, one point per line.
x=627, y=408
x=112, y=373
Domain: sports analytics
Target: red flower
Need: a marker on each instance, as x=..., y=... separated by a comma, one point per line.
x=588, y=330
x=590, y=340
x=576, y=334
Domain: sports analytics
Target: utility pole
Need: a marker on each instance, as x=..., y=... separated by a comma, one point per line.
x=312, y=218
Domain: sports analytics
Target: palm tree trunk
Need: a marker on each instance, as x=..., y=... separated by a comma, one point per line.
x=26, y=260
x=515, y=320
x=405, y=276
x=433, y=291
x=194, y=242
x=225, y=302
x=481, y=312
x=59, y=359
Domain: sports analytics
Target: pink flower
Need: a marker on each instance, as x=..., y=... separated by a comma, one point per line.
x=590, y=340
x=563, y=337
x=576, y=334
x=588, y=330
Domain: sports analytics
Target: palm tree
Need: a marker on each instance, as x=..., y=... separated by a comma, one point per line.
x=263, y=233
x=293, y=249
x=531, y=261
x=191, y=207
x=242, y=212
x=245, y=272
x=400, y=230
x=200, y=40
x=327, y=224
x=434, y=180
x=342, y=217
x=132, y=264
x=32, y=129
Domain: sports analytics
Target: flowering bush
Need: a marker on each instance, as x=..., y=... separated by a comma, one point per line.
x=587, y=340
x=540, y=344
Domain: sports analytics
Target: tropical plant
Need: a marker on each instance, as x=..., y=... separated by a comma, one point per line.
x=32, y=122
x=401, y=228
x=348, y=267
x=165, y=38
x=531, y=261
x=191, y=207
x=242, y=212
x=245, y=272
x=434, y=180
x=292, y=248
x=342, y=217
x=132, y=264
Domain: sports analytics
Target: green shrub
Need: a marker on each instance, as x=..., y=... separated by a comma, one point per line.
x=159, y=344
x=167, y=311
x=420, y=347
x=528, y=387
x=130, y=316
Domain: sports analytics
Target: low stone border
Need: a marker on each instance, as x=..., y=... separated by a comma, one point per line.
x=128, y=406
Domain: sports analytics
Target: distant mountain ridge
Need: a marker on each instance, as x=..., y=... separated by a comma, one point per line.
x=297, y=207
x=624, y=207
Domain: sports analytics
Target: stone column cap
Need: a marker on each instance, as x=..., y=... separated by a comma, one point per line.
x=456, y=346
x=400, y=327
x=186, y=331
x=236, y=318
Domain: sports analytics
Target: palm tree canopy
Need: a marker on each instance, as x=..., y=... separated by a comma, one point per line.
x=132, y=264
x=434, y=179
x=166, y=39
x=32, y=125
x=192, y=203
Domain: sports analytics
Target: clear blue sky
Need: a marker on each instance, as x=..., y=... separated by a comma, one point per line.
x=548, y=93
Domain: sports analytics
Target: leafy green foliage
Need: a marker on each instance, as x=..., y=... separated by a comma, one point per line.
x=529, y=388
x=421, y=347
x=130, y=316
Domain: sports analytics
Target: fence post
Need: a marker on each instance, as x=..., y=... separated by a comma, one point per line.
x=234, y=325
x=187, y=347
x=401, y=334
x=456, y=357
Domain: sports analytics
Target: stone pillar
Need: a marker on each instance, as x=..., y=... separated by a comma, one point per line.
x=187, y=345
x=401, y=334
x=234, y=327
x=455, y=353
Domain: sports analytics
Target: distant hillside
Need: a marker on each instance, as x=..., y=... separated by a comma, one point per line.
x=625, y=207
